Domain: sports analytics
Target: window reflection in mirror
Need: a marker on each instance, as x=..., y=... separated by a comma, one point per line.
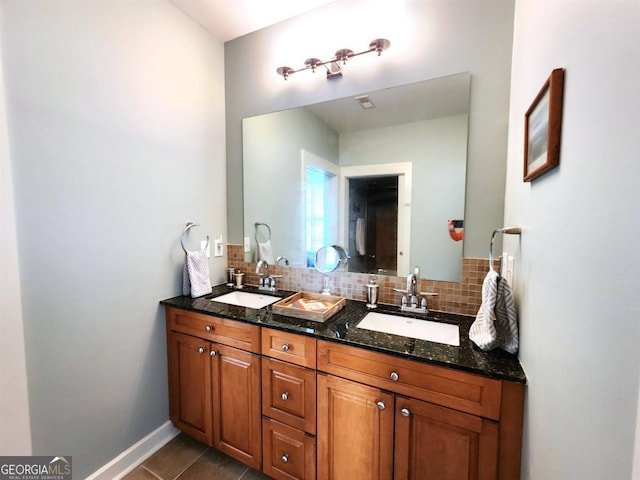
x=320, y=206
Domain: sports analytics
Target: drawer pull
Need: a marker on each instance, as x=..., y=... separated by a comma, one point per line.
x=201, y=350
x=285, y=458
x=405, y=412
x=394, y=376
x=284, y=396
x=285, y=347
x=208, y=328
x=381, y=405
x=212, y=353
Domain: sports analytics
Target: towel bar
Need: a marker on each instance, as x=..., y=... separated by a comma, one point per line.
x=507, y=230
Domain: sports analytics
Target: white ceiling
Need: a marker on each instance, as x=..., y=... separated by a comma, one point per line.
x=435, y=98
x=229, y=19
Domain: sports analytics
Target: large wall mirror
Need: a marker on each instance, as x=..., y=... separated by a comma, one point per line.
x=379, y=173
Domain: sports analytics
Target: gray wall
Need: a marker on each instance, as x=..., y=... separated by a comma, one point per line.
x=115, y=118
x=429, y=39
x=577, y=260
x=15, y=431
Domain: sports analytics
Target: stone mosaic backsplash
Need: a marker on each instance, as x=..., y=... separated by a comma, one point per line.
x=461, y=298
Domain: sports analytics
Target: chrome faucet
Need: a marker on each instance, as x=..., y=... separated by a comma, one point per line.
x=279, y=259
x=412, y=287
x=267, y=282
x=266, y=268
x=410, y=301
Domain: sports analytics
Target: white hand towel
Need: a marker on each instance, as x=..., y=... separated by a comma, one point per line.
x=496, y=325
x=195, y=274
x=265, y=252
x=360, y=236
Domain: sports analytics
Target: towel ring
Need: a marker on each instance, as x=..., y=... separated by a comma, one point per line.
x=507, y=230
x=188, y=227
x=257, y=224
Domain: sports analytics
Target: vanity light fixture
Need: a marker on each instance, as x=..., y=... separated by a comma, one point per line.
x=334, y=66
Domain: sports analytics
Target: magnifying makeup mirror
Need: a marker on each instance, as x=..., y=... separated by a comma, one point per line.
x=328, y=259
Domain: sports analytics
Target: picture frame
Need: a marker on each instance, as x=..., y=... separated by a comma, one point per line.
x=542, y=128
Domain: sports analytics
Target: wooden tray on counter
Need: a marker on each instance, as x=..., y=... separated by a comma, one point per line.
x=317, y=307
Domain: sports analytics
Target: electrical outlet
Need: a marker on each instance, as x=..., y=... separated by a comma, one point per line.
x=218, y=247
x=503, y=264
x=247, y=244
x=509, y=275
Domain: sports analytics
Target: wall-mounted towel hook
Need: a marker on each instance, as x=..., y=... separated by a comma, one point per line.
x=506, y=230
x=188, y=227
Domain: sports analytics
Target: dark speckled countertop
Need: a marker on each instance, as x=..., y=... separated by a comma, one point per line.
x=341, y=328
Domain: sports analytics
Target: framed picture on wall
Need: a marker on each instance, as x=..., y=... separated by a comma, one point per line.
x=542, y=126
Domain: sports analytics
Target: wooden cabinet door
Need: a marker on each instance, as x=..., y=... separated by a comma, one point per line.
x=355, y=431
x=437, y=443
x=236, y=404
x=289, y=394
x=190, y=386
x=289, y=453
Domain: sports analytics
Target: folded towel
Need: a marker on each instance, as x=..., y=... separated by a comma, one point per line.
x=265, y=252
x=195, y=274
x=360, y=236
x=496, y=325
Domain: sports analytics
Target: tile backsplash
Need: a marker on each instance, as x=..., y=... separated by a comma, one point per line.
x=462, y=298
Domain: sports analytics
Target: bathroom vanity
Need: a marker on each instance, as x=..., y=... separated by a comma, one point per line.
x=299, y=399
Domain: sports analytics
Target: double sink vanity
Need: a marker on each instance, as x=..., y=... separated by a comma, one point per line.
x=355, y=397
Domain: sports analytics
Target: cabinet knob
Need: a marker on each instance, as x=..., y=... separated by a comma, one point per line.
x=284, y=396
x=208, y=328
x=201, y=350
x=285, y=347
x=405, y=412
x=381, y=405
x=394, y=376
x=285, y=458
x=213, y=353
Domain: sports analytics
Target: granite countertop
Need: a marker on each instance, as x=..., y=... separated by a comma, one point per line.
x=341, y=328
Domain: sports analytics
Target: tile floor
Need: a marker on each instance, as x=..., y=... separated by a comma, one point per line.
x=186, y=459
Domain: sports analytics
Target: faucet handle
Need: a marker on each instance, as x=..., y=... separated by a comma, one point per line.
x=424, y=297
x=400, y=291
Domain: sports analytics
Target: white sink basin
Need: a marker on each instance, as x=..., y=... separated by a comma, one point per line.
x=246, y=299
x=412, y=328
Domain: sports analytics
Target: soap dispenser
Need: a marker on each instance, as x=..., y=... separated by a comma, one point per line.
x=372, y=292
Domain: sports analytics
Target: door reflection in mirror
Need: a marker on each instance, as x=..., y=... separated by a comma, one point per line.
x=373, y=224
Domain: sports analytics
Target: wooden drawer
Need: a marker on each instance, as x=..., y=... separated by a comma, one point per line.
x=228, y=332
x=451, y=388
x=288, y=453
x=289, y=394
x=289, y=347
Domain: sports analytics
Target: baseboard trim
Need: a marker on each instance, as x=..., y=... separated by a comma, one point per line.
x=135, y=454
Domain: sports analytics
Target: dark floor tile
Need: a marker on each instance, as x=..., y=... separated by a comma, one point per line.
x=140, y=473
x=174, y=458
x=215, y=465
x=254, y=475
